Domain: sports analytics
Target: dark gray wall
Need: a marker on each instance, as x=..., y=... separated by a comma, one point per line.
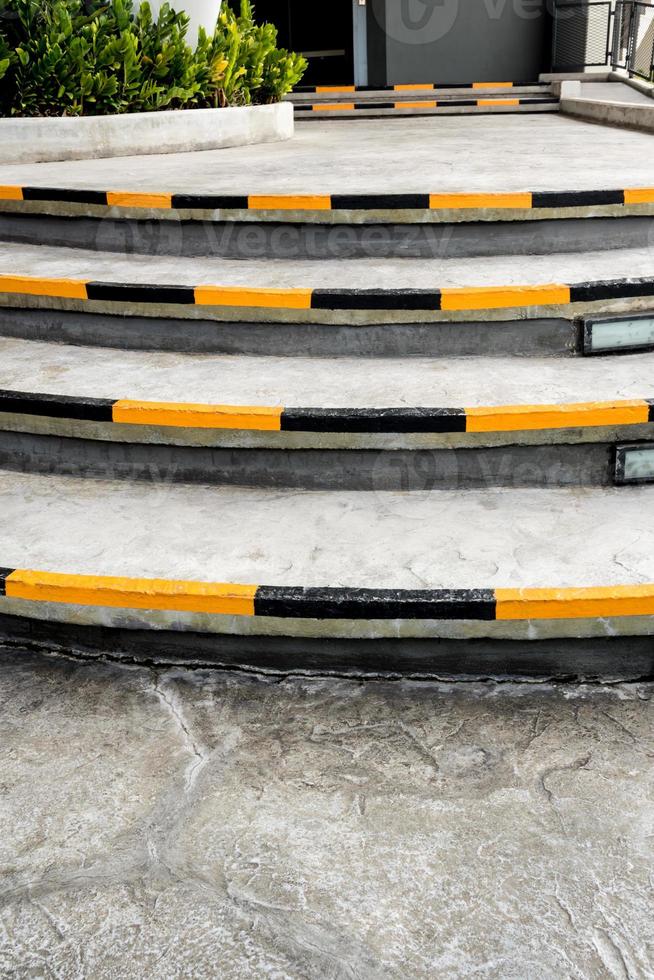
x=459, y=41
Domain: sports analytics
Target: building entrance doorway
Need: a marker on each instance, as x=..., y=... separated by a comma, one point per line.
x=322, y=32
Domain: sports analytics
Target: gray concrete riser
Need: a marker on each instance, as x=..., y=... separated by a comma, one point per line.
x=546, y=465
x=600, y=658
x=538, y=337
x=248, y=240
x=271, y=630
x=237, y=440
x=370, y=218
x=283, y=317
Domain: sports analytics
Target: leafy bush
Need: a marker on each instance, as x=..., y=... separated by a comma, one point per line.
x=67, y=57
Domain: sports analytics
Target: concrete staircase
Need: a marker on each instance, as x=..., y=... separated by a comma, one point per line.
x=382, y=449
x=346, y=102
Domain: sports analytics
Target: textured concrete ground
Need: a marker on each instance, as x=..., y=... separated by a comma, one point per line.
x=194, y=824
x=527, y=152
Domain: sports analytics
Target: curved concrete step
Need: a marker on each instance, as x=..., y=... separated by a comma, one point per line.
x=327, y=383
x=326, y=423
x=429, y=206
x=526, y=170
x=340, y=291
x=517, y=565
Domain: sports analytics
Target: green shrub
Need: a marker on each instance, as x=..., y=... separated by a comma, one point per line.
x=66, y=57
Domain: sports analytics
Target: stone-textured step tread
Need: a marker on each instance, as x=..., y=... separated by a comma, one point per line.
x=432, y=273
x=507, y=153
x=486, y=539
x=56, y=369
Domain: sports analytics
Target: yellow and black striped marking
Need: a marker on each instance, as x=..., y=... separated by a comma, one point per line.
x=487, y=103
x=276, y=418
x=435, y=201
x=405, y=87
x=459, y=298
x=228, y=599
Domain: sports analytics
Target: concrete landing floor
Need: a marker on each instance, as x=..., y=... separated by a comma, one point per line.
x=614, y=92
x=343, y=382
x=439, y=154
x=175, y=824
x=486, y=538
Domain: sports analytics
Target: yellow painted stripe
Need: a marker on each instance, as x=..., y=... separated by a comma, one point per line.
x=335, y=88
x=8, y=193
x=260, y=417
x=416, y=105
x=639, y=195
x=332, y=106
x=502, y=297
x=616, y=600
x=410, y=88
x=287, y=299
x=513, y=418
x=522, y=200
x=487, y=102
x=290, y=202
x=132, y=593
x=135, y=199
x=33, y=286
x=492, y=84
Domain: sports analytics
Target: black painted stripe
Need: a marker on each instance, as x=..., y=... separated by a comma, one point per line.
x=536, y=100
x=586, y=292
x=4, y=575
x=373, y=420
x=650, y=402
x=573, y=199
x=64, y=194
x=141, y=293
x=209, y=202
x=374, y=105
x=376, y=299
x=57, y=406
x=477, y=604
x=379, y=202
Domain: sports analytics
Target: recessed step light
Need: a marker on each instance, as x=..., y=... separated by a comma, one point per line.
x=634, y=464
x=607, y=335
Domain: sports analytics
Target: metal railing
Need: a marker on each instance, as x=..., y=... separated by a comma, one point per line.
x=604, y=33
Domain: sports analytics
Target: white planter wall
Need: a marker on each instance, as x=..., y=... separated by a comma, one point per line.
x=202, y=13
x=41, y=140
